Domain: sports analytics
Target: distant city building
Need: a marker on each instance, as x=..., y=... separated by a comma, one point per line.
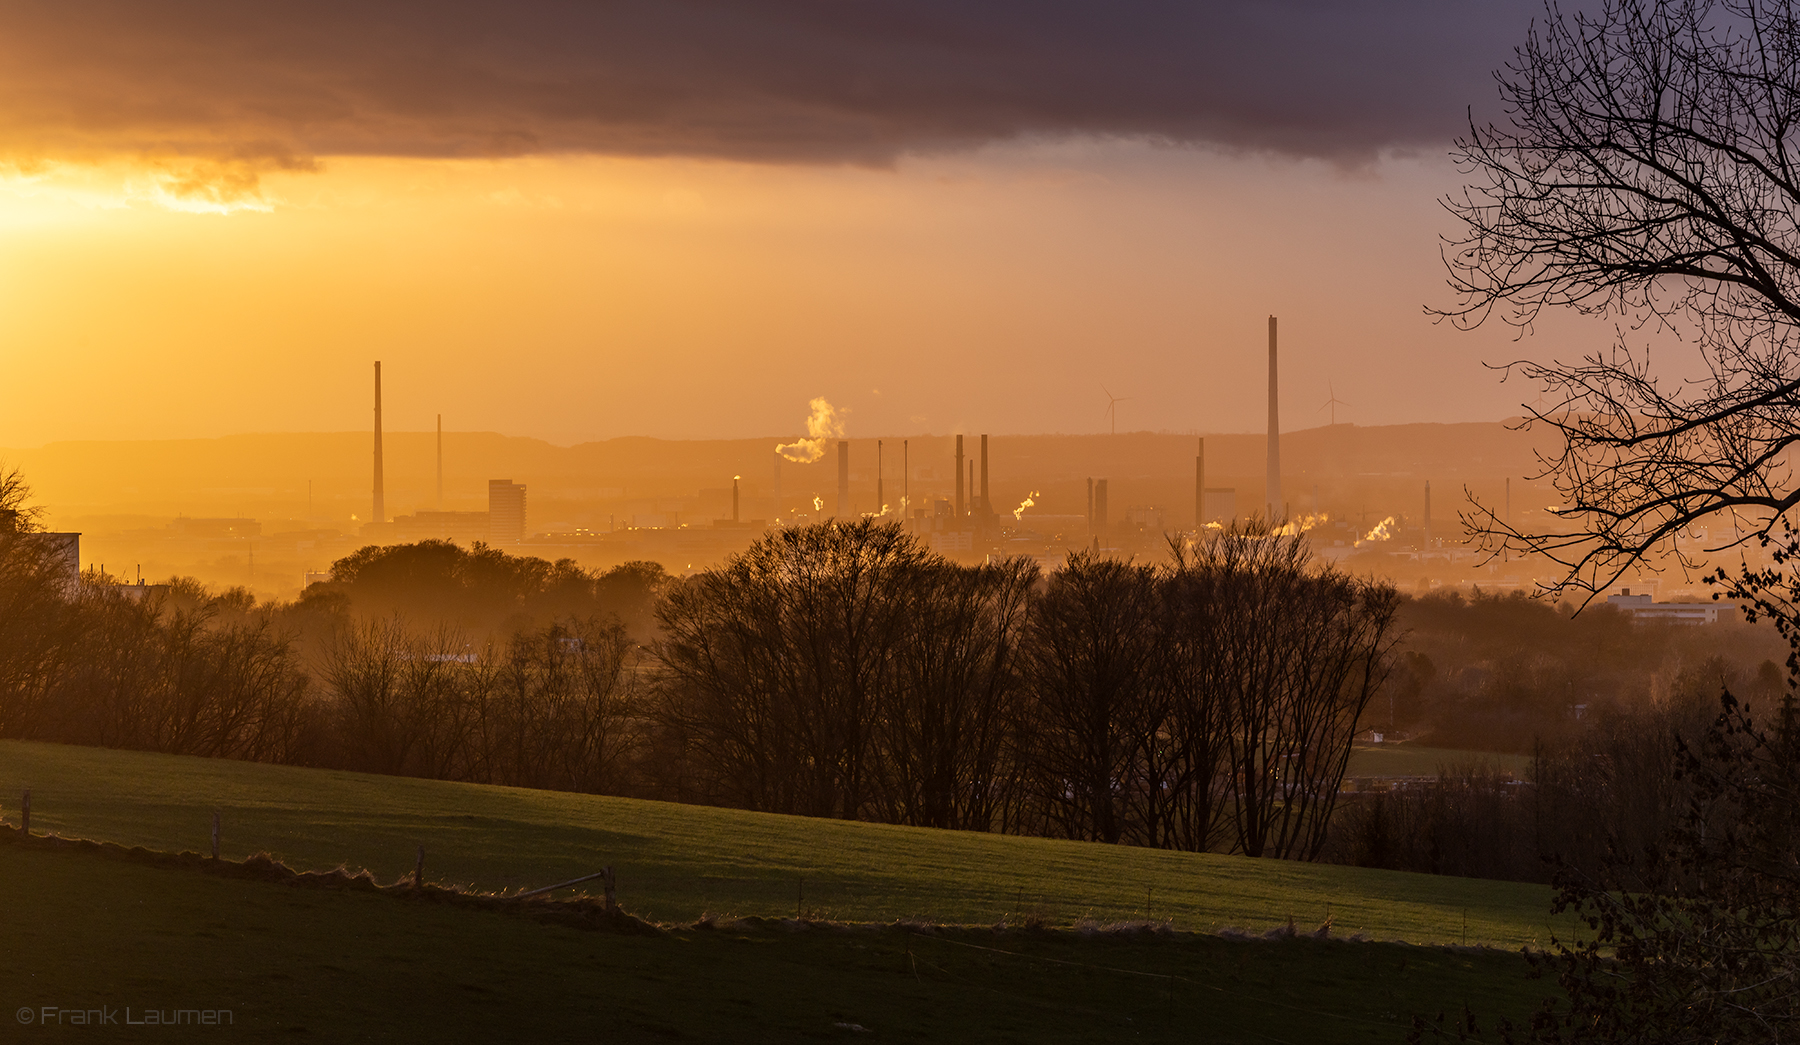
x=64, y=549
x=140, y=591
x=506, y=511
x=952, y=541
x=312, y=577
x=1219, y=504
x=1643, y=607
x=1148, y=518
x=466, y=527
x=215, y=529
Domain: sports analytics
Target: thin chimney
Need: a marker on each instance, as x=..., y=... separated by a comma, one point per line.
x=986, y=508
x=440, y=499
x=734, y=498
x=777, y=508
x=1272, y=495
x=959, y=477
x=1428, y=513
x=380, y=498
x=1200, y=486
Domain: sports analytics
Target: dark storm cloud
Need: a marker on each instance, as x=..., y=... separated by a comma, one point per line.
x=785, y=80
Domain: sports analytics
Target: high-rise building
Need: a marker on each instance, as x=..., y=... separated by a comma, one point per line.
x=63, y=552
x=506, y=511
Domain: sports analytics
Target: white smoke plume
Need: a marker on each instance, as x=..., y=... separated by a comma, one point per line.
x=1029, y=501
x=823, y=424
x=1302, y=524
x=1383, y=531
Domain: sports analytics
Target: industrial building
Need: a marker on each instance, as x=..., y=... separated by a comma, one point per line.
x=506, y=511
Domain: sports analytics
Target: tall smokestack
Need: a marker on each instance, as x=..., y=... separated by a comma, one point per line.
x=380, y=498
x=986, y=508
x=1090, y=504
x=777, y=488
x=1100, y=506
x=959, y=478
x=843, y=505
x=1272, y=495
x=440, y=500
x=1428, y=513
x=1200, y=486
x=880, y=504
x=734, y=498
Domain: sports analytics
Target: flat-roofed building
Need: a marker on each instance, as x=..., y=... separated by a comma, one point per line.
x=64, y=550
x=1645, y=608
x=506, y=511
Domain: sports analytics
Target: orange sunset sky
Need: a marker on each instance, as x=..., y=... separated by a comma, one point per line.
x=578, y=225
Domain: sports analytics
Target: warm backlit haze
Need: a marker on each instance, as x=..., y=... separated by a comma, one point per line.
x=570, y=228
x=509, y=510
x=573, y=299
x=688, y=222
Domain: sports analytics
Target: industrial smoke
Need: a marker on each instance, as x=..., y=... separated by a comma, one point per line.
x=822, y=425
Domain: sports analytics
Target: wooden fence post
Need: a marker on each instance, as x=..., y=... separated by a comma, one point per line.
x=608, y=882
x=419, y=869
x=215, y=834
x=25, y=814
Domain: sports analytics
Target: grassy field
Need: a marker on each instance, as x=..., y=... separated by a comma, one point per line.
x=83, y=931
x=675, y=863
x=1379, y=760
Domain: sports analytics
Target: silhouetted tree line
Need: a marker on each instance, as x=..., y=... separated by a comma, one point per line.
x=1598, y=795
x=482, y=592
x=841, y=670
x=1207, y=702
x=837, y=670
x=1502, y=672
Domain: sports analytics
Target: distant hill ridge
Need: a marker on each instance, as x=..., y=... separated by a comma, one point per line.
x=265, y=473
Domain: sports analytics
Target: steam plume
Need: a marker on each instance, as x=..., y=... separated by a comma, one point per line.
x=1383, y=531
x=1302, y=524
x=824, y=424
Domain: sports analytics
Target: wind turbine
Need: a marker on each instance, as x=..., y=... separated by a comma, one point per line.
x=1334, y=402
x=1112, y=407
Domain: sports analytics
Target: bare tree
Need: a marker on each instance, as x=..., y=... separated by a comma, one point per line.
x=1093, y=632
x=1297, y=652
x=945, y=731
x=39, y=623
x=777, y=665
x=1647, y=171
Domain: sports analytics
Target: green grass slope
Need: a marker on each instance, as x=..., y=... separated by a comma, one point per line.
x=676, y=862
x=100, y=935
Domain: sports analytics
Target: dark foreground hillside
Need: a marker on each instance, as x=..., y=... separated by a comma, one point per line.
x=89, y=935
